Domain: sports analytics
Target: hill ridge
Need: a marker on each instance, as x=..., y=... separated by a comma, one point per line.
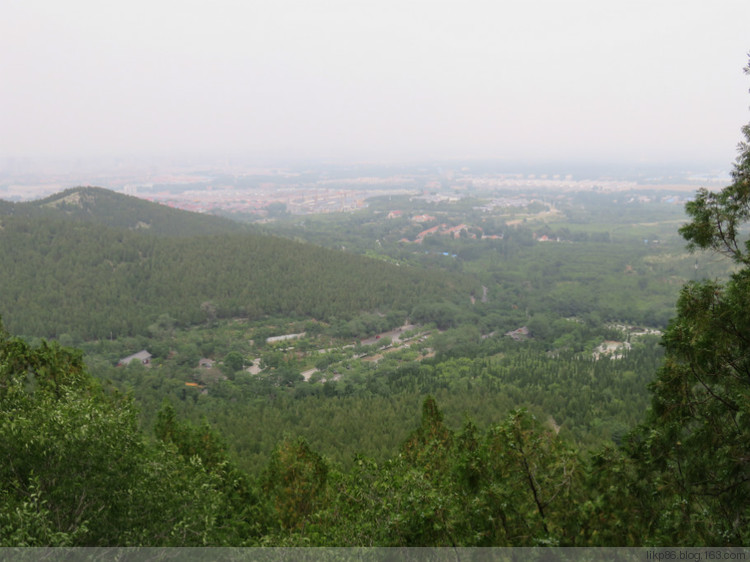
x=91, y=275
x=118, y=210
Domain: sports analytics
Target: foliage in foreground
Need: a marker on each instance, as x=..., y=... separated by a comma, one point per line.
x=76, y=471
x=696, y=443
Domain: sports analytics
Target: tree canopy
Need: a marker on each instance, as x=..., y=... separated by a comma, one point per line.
x=696, y=442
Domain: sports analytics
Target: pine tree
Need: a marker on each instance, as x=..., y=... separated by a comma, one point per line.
x=696, y=444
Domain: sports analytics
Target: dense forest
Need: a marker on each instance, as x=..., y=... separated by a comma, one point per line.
x=67, y=274
x=115, y=210
x=533, y=387
x=455, y=475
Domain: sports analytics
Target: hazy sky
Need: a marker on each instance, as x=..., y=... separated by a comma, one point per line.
x=633, y=80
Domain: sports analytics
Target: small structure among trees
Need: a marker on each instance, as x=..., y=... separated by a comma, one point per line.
x=143, y=356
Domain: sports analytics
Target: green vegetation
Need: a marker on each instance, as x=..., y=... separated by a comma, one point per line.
x=349, y=390
x=276, y=401
x=695, y=442
x=104, y=207
x=77, y=471
x=90, y=281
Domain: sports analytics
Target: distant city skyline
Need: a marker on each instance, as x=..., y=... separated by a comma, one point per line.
x=239, y=186
x=587, y=81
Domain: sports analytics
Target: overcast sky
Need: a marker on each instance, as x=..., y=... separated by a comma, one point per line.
x=640, y=81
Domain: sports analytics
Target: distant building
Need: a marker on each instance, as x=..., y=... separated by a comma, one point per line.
x=285, y=337
x=422, y=218
x=427, y=232
x=143, y=356
x=455, y=231
x=520, y=334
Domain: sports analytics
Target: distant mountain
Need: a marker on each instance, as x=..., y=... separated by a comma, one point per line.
x=86, y=262
x=101, y=206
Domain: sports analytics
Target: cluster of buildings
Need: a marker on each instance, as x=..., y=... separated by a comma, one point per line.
x=257, y=200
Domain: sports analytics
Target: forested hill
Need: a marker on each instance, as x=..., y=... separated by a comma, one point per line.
x=101, y=206
x=65, y=271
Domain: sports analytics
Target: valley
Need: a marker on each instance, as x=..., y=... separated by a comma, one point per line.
x=374, y=281
x=331, y=331
x=240, y=321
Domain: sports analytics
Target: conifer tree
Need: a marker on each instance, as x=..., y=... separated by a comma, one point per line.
x=696, y=445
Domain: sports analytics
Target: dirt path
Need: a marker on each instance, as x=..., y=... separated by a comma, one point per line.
x=395, y=335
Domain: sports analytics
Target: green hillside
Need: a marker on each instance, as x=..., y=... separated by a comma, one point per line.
x=74, y=264
x=104, y=207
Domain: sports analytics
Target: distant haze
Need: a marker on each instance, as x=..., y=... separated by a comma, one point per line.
x=638, y=81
